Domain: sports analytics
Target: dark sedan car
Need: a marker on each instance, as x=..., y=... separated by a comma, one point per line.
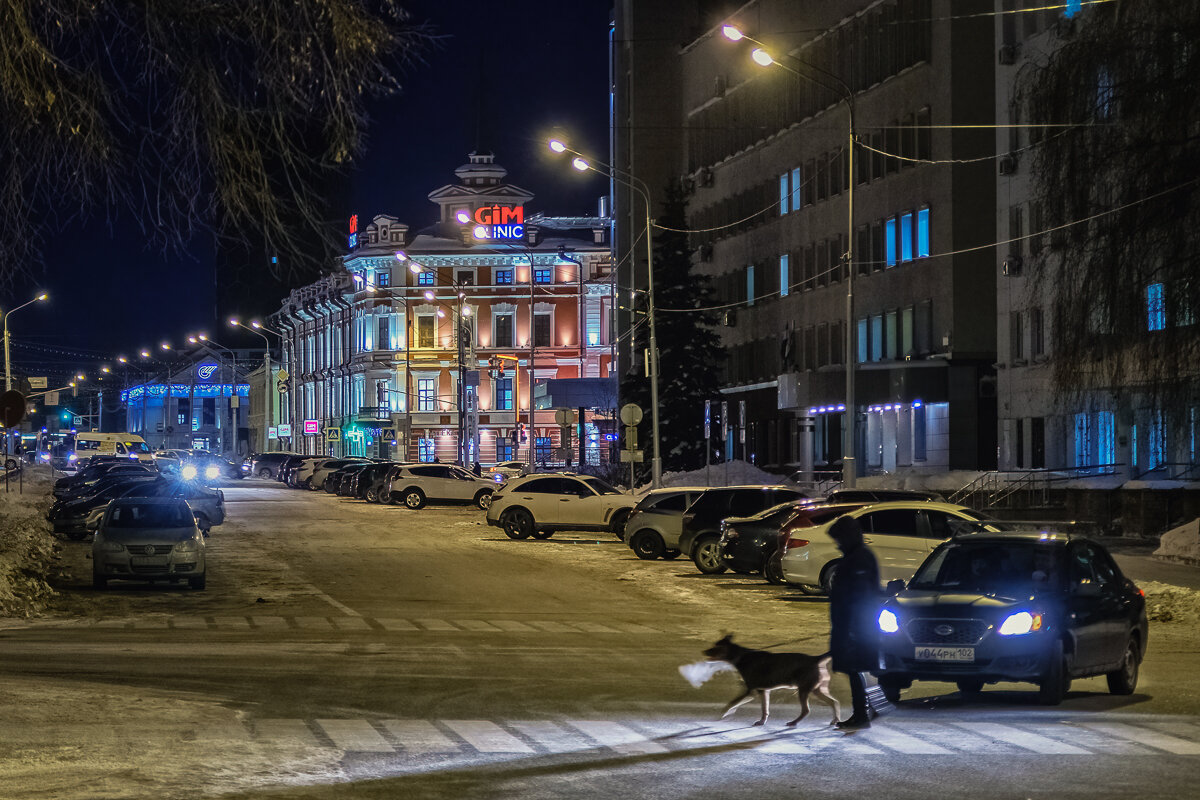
x=70, y=516
x=363, y=482
x=747, y=542
x=339, y=482
x=700, y=533
x=1030, y=606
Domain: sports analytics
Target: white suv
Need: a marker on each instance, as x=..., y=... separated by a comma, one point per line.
x=415, y=484
x=538, y=505
x=900, y=534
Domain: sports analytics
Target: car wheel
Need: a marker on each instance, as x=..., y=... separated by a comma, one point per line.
x=773, y=570
x=1123, y=680
x=618, y=523
x=543, y=534
x=99, y=581
x=1054, y=682
x=414, y=498
x=647, y=545
x=706, y=555
x=483, y=499
x=891, y=689
x=517, y=523
x=199, y=582
x=10, y=464
x=372, y=495
x=264, y=473
x=969, y=687
x=827, y=576
x=671, y=555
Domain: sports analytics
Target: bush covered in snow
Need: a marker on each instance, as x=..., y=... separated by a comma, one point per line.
x=1168, y=603
x=27, y=546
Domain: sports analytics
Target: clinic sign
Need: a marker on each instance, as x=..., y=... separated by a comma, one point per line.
x=311, y=427
x=499, y=222
x=352, y=238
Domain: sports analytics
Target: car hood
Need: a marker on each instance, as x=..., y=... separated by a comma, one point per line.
x=949, y=602
x=128, y=536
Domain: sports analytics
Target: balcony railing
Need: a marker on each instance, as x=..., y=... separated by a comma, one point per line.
x=375, y=412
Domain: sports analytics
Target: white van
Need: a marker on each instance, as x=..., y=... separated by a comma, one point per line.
x=91, y=443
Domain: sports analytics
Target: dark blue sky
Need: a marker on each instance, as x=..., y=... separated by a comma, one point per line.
x=500, y=76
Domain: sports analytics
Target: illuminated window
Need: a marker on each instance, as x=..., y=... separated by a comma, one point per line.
x=750, y=285
x=543, y=275
x=784, y=278
x=504, y=394
x=1156, y=307
x=1083, y=440
x=426, y=329
x=890, y=236
x=923, y=233
x=796, y=189
x=504, y=449
x=426, y=278
x=785, y=194
x=383, y=278
x=425, y=450
x=543, y=448
x=426, y=394
x=504, y=276
x=906, y=241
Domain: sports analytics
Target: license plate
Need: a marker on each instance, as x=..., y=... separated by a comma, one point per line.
x=945, y=654
x=148, y=561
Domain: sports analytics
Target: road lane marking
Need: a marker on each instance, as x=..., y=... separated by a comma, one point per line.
x=419, y=736
x=633, y=627
x=189, y=623
x=594, y=627
x=946, y=736
x=513, y=626
x=487, y=737
x=241, y=623
x=1146, y=736
x=345, y=609
x=477, y=625
x=397, y=625
x=313, y=622
x=351, y=624
x=552, y=627
x=551, y=736
x=618, y=737
x=356, y=735
x=901, y=742
x=1021, y=738
x=269, y=623
x=286, y=731
x=435, y=625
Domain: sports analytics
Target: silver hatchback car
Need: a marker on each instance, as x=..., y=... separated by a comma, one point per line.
x=148, y=539
x=654, y=526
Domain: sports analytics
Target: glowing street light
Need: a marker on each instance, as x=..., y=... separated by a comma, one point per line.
x=580, y=164
x=762, y=57
x=732, y=33
x=463, y=217
x=7, y=371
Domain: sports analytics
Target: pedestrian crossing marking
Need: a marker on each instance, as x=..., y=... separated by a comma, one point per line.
x=355, y=735
x=286, y=732
x=513, y=626
x=1146, y=736
x=487, y=737
x=351, y=623
x=552, y=627
x=435, y=625
x=948, y=737
x=419, y=736
x=618, y=737
x=320, y=623
x=270, y=623
x=896, y=739
x=477, y=625
x=551, y=737
x=397, y=625
x=239, y=623
x=1022, y=738
x=190, y=623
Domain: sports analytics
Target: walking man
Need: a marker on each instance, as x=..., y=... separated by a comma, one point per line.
x=854, y=602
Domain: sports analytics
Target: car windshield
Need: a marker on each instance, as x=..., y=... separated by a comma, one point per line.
x=150, y=515
x=599, y=486
x=137, y=447
x=1011, y=569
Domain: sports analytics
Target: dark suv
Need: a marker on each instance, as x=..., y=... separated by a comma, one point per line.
x=700, y=537
x=1025, y=606
x=266, y=465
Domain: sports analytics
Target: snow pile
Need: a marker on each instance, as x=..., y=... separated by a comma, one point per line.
x=1168, y=603
x=731, y=473
x=1181, y=544
x=27, y=548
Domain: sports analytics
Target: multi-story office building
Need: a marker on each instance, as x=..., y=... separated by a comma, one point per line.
x=766, y=149
x=472, y=330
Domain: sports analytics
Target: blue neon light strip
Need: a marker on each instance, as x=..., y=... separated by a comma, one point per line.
x=185, y=390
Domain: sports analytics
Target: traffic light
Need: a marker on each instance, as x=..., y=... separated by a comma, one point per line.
x=66, y=415
x=521, y=428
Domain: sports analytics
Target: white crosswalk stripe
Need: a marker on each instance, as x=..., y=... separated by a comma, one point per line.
x=1022, y=738
x=487, y=737
x=353, y=623
x=419, y=736
x=896, y=739
x=617, y=736
x=286, y=732
x=355, y=735
x=1147, y=736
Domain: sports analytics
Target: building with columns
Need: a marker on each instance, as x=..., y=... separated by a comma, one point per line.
x=427, y=338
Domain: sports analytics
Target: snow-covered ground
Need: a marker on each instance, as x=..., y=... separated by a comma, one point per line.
x=27, y=547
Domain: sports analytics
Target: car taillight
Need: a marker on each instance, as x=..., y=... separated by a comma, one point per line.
x=792, y=543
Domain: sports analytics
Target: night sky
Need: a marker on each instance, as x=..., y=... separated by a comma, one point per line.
x=499, y=77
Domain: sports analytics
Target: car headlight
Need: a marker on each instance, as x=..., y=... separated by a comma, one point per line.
x=187, y=546
x=72, y=457
x=188, y=472
x=212, y=472
x=112, y=547
x=888, y=623
x=1021, y=623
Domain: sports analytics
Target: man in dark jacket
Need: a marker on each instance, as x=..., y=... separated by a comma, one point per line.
x=854, y=602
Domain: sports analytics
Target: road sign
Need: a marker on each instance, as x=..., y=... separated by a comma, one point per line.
x=272, y=432
x=387, y=434
x=281, y=375
x=632, y=455
x=631, y=414
x=51, y=399
x=708, y=419
x=564, y=416
x=333, y=434
x=742, y=421
x=311, y=427
x=285, y=431
x=281, y=387
x=78, y=423
x=12, y=408
x=38, y=383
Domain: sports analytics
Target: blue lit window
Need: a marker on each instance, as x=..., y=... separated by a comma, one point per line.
x=426, y=394
x=784, y=194
x=426, y=278
x=784, y=279
x=1156, y=454
x=906, y=240
x=750, y=285
x=796, y=189
x=504, y=394
x=543, y=448
x=1156, y=307
x=383, y=278
x=543, y=275
x=876, y=351
x=890, y=236
x=504, y=276
x=1083, y=440
x=504, y=449
x=923, y=233
x=425, y=450
x=862, y=341
x=1106, y=439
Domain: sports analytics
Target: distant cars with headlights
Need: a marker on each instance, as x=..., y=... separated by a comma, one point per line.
x=207, y=504
x=148, y=539
x=652, y=530
x=900, y=534
x=69, y=516
x=505, y=470
x=540, y=504
x=414, y=485
x=1017, y=606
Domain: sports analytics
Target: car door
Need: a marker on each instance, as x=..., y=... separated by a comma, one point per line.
x=1112, y=604
x=541, y=497
x=1087, y=616
x=460, y=485
x=896, y=540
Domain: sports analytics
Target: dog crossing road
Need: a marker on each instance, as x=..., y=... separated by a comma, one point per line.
x=1082, y=736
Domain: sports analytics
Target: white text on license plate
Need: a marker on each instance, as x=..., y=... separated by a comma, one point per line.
x=945, y=654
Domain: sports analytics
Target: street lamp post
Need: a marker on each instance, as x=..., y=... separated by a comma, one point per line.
x=582, y=163
x=266, y=437
x=763, y=57
x=7, y=361
x=203, y=338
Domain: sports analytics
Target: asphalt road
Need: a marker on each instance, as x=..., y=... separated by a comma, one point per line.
x=345, y=650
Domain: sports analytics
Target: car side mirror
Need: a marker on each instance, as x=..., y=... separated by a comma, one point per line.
x=895, y=587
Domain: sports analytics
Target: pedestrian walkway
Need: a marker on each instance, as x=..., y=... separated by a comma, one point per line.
x=347, y=623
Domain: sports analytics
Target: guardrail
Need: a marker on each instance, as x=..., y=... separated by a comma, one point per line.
x=998, y=488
